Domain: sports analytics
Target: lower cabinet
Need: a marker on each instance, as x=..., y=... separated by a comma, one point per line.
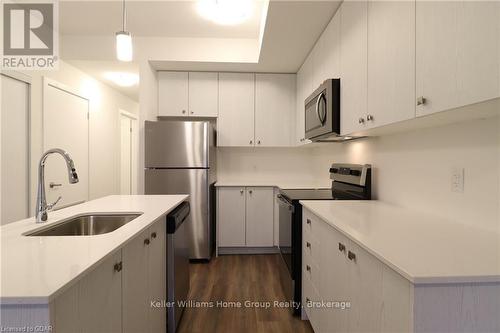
x=245, y=216
x=116, y=296
x=353, y=290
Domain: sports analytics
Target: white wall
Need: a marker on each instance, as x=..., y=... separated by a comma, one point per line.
x=104, y=134
x=411, y=169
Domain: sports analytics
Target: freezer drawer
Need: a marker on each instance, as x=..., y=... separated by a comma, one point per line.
x=195, y=183
x=178, y=144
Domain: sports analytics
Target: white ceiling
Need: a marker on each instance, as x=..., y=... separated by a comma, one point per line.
x=172, y=36
x=150, y=18
x=97, y=69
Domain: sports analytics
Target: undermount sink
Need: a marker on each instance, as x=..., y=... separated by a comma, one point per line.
x=86, y=225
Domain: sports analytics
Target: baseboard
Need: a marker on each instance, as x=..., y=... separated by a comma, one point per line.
x=248, y=250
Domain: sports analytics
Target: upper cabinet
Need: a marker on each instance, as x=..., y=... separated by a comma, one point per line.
x=274, y=109
x=203, y=90
x=353, y=66
x=391, y=62
x=457, y=54
x=182, y=94
x=235, y=124
x=173, y=94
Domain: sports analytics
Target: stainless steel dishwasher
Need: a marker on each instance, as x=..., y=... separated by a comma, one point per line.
x=177, y=264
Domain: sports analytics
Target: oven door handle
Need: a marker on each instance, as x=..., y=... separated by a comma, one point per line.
x=285, y=202
x=321, y=119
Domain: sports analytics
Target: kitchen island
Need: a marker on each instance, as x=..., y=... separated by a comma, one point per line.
x=79, y=282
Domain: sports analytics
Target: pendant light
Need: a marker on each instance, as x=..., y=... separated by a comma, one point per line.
x=124, y=40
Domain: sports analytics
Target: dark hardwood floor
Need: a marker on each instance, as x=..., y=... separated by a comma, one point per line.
x=238, y=278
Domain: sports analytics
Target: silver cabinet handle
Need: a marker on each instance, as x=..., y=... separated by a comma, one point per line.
x=153, y=235
x=351, y=255
x=192, y=112
x=118, y=266
x=421, y=100
x=258, y=142
x=250, y=191
x=308, y=244
x=52, y=185
x=361, y=120
x=183, y=111
x=308, y=268
x=146, y=241
x=369, y=117
x=341, y=247
x=241, y=191
x=308, y=221
x=251, y=141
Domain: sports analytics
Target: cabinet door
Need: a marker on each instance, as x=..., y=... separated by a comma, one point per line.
x=457, y=53
x=203, y=94
x=100, y=298
x=235, y=123
x=334, y=279
x=332, y=48
x=259, y=216
x=274, y=109
x=157, y=275
x=172, y=94
x=391, y=61
x=231, y=216
x=353, y=65
x=365, y=291
x=136, y=303
x=301, y=95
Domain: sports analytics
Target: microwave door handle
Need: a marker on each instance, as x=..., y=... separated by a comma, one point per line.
x=322, y=121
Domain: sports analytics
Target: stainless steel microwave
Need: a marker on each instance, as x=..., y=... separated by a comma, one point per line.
x=322, y=112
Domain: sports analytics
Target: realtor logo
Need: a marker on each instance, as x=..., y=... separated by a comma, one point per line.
x=29, y=35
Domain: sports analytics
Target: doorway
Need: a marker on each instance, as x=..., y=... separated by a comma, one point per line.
x=15, y=147
x=128, y=153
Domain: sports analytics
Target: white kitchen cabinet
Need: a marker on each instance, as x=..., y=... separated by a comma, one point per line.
x=378, y=298
x=304, y=89
x=353, y=65
x=245, y=217
x=144, y=280
x=391, y=62
x=157, y=279
x=259, y=216
x=231, y=216
x=331, y=48
x=274, y=109
x=235, y=123
x=457, y=53
x=203, y=94
x=183, y=94
x=94, y=303
x=135, y=287
x=173, y=92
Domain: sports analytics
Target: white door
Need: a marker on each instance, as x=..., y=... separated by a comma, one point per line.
x=353, y=65
x=65, y=126
x=172, y=94
x=203, y=94
x=128, y=153
x=235, y=123
x=231, y=216
x=274, y=109
x=260, y=216
x=14, y=150
x=457, y=53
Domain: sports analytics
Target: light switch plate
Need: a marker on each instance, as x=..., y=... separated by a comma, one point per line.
x=457, y=179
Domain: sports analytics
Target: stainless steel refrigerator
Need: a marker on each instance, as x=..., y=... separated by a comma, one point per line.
x=180, y=159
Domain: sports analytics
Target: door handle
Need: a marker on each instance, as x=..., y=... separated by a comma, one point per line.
x=351, y=255
x=322, y=121
x=52, y=185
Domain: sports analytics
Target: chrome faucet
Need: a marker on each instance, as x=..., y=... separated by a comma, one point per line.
x=41, y=202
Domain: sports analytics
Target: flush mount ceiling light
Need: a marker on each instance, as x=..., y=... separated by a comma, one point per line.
x=225, y=12
x=124, y=40
x=122, y=79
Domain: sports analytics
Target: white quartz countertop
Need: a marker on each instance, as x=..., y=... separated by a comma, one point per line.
x=281, y=185
x=422, y=248
x=35, y=269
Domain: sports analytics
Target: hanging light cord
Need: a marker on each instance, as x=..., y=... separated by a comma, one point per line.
x=124, y=12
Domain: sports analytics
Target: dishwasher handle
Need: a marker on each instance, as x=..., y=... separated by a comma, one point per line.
x=177, y=217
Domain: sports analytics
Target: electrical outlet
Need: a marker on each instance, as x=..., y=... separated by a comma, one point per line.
x=457, y=180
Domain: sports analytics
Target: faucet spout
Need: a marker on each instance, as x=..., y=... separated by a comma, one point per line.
x=41, y=202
